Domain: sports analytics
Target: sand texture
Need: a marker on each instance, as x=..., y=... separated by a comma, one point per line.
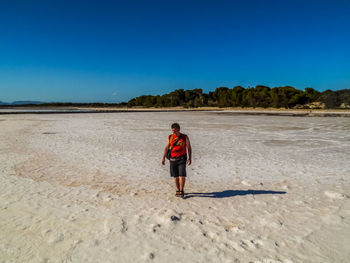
x=91, y=188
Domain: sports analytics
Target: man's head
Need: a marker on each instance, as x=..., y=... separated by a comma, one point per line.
x=175, y=127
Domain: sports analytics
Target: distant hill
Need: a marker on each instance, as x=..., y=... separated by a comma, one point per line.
x=24, y=102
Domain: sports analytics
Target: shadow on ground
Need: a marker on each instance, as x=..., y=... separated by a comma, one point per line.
x=231, y=193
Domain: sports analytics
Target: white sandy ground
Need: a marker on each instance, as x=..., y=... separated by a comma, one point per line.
x=90, y=188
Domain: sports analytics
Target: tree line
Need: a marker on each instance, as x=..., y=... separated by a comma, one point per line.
x=259, y=96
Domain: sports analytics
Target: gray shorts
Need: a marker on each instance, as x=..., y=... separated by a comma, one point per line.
x=178, y=168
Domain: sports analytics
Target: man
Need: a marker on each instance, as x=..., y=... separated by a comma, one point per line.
x=179, y=145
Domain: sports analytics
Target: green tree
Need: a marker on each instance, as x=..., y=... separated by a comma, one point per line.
x=223, y=97
x=330, y=99
x=311, y=95
x=283, y=96
x=236, y=96
x=262, y=96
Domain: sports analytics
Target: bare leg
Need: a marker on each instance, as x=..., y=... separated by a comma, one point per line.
x=176, y=180
x=182, y=182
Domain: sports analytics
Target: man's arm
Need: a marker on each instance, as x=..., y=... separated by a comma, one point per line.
x=189, y=150
x=165, y=151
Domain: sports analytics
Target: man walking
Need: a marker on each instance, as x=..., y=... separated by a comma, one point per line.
x=179, y=145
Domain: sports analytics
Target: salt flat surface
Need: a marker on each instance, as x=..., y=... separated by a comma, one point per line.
x=91, y=188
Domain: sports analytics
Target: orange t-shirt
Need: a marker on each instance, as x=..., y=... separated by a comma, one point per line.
x=179, y=149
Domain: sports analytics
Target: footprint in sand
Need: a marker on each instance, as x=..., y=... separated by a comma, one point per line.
x=334, y=195
x=331, y=219
x=52, y=236
x=234, y=229
x=270, y=260
x=155, y=228
x=250, y=244
x=106, y=227
x=166, y=217
x=124, y=227
x=236, y=246
x=286, y=187
x=55, y=237
x=246, y=183
x=112, y=225
x=107, y=198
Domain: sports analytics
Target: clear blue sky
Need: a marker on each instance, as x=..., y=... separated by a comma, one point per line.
x=112, y=51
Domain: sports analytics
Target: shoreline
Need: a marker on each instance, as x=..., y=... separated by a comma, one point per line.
x=231, y=111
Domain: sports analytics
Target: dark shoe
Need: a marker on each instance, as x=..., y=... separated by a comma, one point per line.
x=178, y=193
x=182, y=194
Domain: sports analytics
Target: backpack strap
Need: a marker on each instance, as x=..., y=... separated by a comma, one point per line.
x=178, y=138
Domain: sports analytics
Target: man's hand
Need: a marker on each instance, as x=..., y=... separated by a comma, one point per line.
x=189, y=161
x=163, y=161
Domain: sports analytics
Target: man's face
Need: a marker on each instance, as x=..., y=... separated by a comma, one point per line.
x=175, y=130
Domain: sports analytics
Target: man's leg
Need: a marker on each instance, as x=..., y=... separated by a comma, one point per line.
x=177, y=183
x=174, y=173
x=182, y=175
x=182, y=182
